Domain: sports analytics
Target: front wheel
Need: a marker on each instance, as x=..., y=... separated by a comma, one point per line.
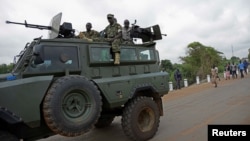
x=72, y=106
x=140, y=118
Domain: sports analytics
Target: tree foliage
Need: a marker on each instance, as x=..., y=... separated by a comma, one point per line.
x=200, y=59
x=166, y=65
x=198, y=62
x=4, y=68
x=234, y=59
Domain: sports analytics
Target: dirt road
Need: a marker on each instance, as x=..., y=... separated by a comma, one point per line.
x=187, y=112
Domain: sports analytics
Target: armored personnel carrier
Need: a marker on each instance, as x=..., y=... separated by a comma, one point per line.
x=64, y=85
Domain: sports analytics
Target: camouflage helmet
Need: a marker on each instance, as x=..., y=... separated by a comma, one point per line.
x=110, y=16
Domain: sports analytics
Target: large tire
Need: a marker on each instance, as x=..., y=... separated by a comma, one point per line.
x=72, y=106
x=6, y=136
x=104, y=121
x=140, y=118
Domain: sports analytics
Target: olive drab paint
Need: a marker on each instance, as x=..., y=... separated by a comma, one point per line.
x=46, y=61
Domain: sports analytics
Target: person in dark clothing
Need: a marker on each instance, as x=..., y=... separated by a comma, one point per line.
x=228, y=70
x=178, y=78
x=241, y=68
x=245, y=66
x=234, y=68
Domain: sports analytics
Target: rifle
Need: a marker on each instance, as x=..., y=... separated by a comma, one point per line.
x=41, y=27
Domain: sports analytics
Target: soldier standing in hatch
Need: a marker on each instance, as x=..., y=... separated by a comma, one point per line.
x=113, y=35
x=126, y=37
x=89, y=34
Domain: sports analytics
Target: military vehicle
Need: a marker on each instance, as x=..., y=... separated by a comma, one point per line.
x=64, y=85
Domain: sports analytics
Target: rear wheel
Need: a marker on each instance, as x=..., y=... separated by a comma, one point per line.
x=140, y=118
x=72, y=106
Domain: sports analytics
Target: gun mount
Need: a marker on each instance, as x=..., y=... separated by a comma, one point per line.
x=55, y=29
x=151, y=33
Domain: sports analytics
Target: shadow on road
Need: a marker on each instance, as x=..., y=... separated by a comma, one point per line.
x=112, y=133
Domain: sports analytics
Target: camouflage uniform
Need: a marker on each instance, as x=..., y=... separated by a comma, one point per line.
x=90, y=35
x=112, y=31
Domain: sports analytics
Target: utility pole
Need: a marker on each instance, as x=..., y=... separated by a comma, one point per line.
x=232, y=50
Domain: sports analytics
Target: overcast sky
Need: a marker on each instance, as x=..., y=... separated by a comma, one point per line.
x=222, y=24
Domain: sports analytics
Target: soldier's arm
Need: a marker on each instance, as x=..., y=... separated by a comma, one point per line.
x=119, y=35
x=80, y=35
x=96, y=33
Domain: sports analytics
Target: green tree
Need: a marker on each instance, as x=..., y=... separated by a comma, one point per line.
x=166, y=65
x=4, y=68
x=199, y=60
x=234, y=59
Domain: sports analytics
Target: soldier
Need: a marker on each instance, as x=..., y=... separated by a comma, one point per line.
x=89, y=34
x=126, y=37
x=113, y=35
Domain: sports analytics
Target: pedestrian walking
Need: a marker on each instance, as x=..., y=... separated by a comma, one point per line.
x=228, y=69
x=245, y=66
x=214, y=71
x=234, y=68
x=217, y=73
x=241, y=68
x=178, y=78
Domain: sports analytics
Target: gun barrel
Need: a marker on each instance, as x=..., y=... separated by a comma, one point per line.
x=41, y=27
x=9, y=22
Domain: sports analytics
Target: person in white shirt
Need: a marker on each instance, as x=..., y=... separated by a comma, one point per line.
x=126, y=29
x=214, y=73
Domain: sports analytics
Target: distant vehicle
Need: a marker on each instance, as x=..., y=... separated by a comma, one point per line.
x=64, y=85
